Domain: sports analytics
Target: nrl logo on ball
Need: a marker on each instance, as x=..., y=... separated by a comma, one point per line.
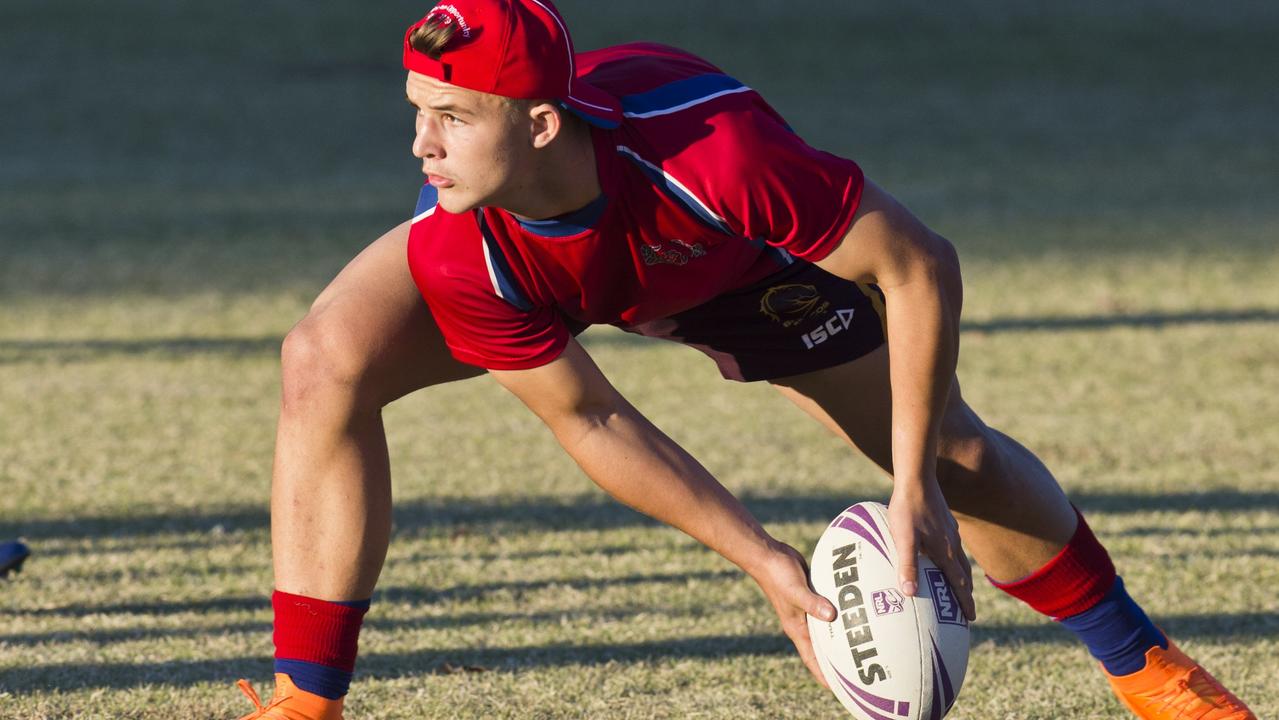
x=887, y=602
x=943, y=599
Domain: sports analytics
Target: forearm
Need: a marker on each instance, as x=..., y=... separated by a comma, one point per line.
x=640, y=466
x=923, y=344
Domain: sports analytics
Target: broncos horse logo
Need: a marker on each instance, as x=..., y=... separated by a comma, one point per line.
x=793, y=303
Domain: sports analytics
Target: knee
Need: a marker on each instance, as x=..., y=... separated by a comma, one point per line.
x=321, y=360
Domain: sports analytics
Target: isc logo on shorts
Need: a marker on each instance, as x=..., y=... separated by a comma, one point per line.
x=830, y=328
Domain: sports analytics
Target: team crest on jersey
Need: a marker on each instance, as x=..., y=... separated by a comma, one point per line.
x=680, y=254
x=792, y=304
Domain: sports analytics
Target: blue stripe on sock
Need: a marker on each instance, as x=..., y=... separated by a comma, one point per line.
x=325, y=681
x=358, y=604
x=1117, y=631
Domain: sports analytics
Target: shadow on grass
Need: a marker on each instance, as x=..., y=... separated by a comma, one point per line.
x=85, y=350
x=1211, y=627
x=1165, y=531
x=454, y=516
x=410, y=594
x=1133, y=320
x=88, y=350
x=374, y=623
x=77, y=676
x=517, y=588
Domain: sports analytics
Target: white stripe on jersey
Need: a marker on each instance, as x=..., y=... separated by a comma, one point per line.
x=424, y=215
x=671, y=179
x=488, y=262
x=684, y=106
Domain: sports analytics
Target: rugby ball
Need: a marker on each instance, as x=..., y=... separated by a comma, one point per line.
x=886, y=656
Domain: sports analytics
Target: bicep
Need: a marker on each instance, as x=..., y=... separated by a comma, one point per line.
x=885, y=244
x=569, y=389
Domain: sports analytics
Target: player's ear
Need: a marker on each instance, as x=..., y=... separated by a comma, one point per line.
x=546, y=122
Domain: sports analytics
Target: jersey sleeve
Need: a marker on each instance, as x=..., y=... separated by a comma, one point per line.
x=768, y=185
x=449, y=264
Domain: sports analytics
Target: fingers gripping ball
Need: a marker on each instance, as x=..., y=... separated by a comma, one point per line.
x=887, y=656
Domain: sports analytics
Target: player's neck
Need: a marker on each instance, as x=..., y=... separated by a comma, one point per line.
x=564, y=180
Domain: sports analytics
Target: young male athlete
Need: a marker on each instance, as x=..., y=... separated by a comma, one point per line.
x=642, y=187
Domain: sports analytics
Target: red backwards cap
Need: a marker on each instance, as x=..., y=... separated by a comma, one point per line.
x=513, y=48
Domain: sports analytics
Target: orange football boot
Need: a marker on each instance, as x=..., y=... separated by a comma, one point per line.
x=290, y=703
x=1174, y=687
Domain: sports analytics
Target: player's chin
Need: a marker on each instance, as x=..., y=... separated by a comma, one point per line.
x=455, y=202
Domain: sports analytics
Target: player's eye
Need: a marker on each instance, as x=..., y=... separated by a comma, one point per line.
x=451, y=119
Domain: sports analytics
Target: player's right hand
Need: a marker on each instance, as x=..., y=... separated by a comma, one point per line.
x=785, y=582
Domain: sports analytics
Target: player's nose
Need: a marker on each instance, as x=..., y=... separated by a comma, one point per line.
x=425, y=143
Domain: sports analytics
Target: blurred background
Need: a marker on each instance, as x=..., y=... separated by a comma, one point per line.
x=179, y=148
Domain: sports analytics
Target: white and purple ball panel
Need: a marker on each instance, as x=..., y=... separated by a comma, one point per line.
x=887, y=656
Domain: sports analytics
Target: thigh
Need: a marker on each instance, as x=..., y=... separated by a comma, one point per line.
x=852, y=400
x=1012, y=514
x=855, y=401
x=379, y=320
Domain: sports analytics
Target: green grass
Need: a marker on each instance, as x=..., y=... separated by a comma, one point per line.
x=177, y=181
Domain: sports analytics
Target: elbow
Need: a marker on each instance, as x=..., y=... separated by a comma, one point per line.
x=586, y=417
x=592, y=416
x=940, y=256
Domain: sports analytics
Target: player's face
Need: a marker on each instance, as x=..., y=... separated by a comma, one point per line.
x=469, y=142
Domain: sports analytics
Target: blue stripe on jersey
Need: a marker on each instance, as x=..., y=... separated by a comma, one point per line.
x=779, y=254
x=502, y=275
x=679, y=94
x=426, y=199
x=673, y=189
x=567, y=224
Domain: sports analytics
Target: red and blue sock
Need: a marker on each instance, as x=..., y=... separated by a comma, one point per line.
x=1079, y=589
x=316, y=641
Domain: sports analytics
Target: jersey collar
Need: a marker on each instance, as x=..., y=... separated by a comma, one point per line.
x=570, y=223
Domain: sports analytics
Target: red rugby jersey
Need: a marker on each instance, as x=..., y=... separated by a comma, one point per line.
x=705, y=189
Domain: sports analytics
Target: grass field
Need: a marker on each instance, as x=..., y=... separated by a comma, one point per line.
x=178, y=180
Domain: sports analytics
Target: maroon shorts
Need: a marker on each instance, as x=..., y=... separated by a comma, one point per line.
x=798, y=320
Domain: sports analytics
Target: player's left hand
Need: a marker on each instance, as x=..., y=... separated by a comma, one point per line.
x=784, y=580
x=921, y=522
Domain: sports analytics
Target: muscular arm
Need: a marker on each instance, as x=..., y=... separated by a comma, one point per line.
x=636, y=463
x=639, y=465
x=918, y=272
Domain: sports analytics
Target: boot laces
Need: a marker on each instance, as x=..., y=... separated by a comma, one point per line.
x=1197, y=691
x=260, y=710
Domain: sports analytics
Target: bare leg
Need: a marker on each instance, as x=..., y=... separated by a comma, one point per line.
x=368, y=339
x=1013, y=516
